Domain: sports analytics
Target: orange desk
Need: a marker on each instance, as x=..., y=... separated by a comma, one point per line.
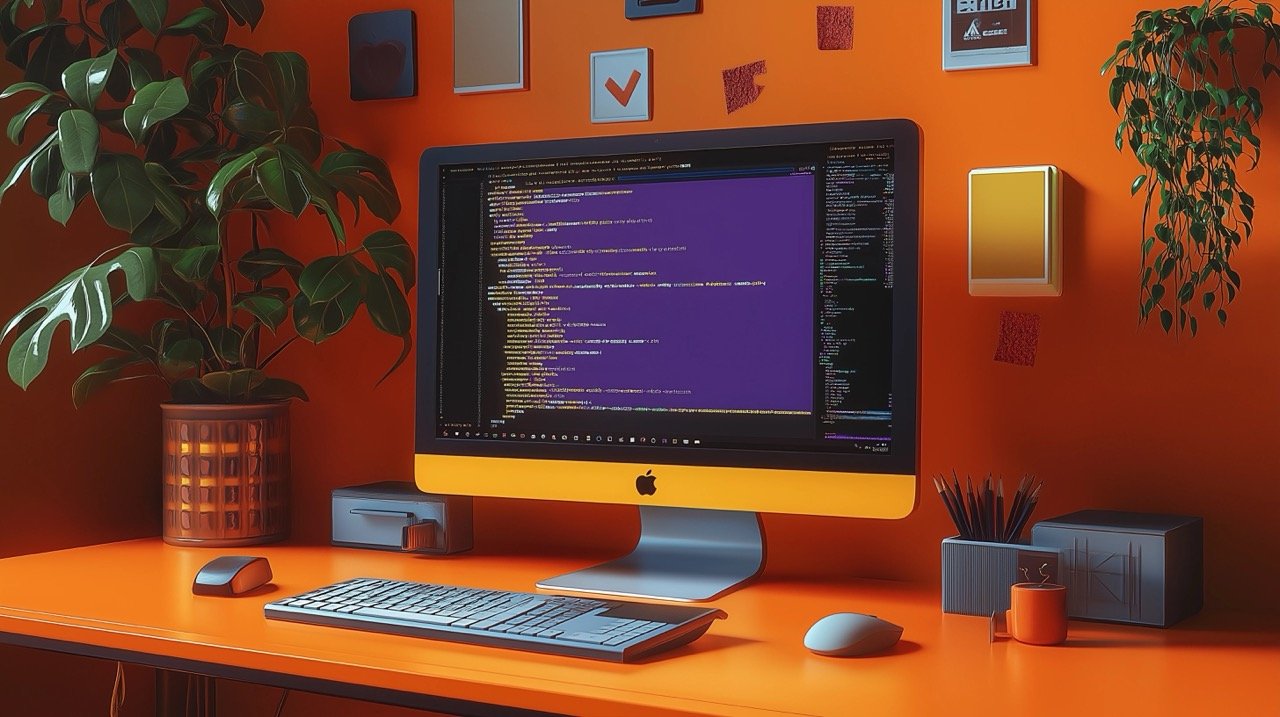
x=132, y=601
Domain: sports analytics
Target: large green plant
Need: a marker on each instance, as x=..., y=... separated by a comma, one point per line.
x=1188, y=113
x=173, y=132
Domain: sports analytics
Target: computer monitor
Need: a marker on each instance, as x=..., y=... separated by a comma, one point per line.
x=705, y=324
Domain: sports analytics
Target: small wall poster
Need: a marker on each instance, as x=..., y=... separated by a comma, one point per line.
x=620, y=85
x=986, y=33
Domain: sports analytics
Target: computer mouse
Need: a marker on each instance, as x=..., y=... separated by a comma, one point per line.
x=848, y=634
x=232, y=575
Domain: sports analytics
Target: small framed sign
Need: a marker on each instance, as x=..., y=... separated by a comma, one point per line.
x=986, y=33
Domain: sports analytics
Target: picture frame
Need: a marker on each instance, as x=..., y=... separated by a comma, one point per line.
x=490, y=50
x=978, y=34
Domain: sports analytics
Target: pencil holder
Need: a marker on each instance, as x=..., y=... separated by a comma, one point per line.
x=976, y=575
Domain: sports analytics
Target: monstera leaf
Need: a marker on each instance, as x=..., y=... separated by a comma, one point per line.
x=83, y=300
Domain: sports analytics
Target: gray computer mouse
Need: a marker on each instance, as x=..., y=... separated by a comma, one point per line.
x=848, y=634
x=231, y=575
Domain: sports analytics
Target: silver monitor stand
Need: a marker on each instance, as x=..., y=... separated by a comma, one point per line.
x=683, y=554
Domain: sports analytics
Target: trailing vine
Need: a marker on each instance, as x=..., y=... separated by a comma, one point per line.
x=1188, y=113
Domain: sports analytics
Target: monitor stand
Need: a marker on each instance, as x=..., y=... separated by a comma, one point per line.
x=683, y=554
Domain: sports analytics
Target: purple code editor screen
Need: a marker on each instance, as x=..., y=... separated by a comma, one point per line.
x=681, y=294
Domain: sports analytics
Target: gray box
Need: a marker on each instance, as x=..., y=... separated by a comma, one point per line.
x=395, y=515
x=1138, y=568
x=977, y=575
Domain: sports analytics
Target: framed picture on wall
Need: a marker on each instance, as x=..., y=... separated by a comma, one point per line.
x=987, y=33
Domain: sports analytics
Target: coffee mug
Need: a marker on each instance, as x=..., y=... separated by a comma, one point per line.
x=1037, y=614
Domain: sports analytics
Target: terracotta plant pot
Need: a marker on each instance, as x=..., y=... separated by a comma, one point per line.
x=226, y=474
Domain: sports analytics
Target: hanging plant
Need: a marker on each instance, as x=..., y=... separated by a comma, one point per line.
x=1187, y=113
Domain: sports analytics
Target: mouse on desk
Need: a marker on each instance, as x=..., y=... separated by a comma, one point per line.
x=850, y=634
x=232, y=575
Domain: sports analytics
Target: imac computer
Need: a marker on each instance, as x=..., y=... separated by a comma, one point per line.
x=708, y=325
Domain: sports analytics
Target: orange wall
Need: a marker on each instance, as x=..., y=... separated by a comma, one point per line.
x=1110, y=416
x=70, y=477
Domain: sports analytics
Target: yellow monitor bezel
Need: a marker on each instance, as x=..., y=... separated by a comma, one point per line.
x=772, y=490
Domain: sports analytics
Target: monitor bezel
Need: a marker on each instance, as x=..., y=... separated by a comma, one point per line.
x=903, y=458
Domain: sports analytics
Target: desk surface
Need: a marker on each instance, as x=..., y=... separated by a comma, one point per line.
x=133, y=601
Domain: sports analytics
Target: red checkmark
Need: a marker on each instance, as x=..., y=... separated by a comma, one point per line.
x=623, y=94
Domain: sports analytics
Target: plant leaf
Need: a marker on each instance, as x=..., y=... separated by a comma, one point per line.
x=260, y=264
x=99, y=375
x=234, y=386
x=217, y=186
x=318, y=321
x=202, y=22
x=156, y=102
x=329, y=276
x=127, y=342
x=16, y=172
x=359, y=175
x=196, y=263
x=151, y=13
x=83, y=300
x=64, y=201
x=122, y=190
x=289, y=75
x=18, y=124
x=190, y=390
x=244, y=12
x=250, y=120
x=78, y=137
x=277, y=389
x=390, y=313
x=85, y=80
x=46, y=172
x=17, y=87
x=281, y=184
x=270, y=310
x=390, y=252
x=144, y=67
x=181, y=357
x=168, y=203
x=226, y=343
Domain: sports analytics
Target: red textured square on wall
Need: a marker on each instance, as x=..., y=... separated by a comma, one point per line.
x=835, y=27
x=1019, y=336
x=740, y=88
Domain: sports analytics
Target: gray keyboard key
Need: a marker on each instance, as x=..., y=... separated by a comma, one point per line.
x=409, y=616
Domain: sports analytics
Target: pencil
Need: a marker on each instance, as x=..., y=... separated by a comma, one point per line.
x=946, y=501
x=965, y=525
x=1000, y=535
x=1028, y=506
x=989, y=509
x=958, y=498
x=973, y=508
x=1016, y=505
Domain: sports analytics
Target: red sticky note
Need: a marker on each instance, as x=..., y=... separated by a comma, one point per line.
x=1019, y=335
x=835, y=27
x=740, y=88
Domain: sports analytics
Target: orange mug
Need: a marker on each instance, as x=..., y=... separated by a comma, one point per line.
x=1038, y=613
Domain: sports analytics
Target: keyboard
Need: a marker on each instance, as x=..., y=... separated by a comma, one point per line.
x=602, y=629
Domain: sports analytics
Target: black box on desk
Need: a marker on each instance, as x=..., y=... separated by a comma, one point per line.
x=1139, y=568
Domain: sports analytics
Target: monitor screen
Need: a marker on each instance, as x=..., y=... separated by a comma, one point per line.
x=687, y=301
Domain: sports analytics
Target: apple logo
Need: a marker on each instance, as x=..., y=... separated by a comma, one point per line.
x=645, y=483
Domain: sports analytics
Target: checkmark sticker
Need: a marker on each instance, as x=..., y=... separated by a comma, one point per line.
x=621, y=85
x=623, y=94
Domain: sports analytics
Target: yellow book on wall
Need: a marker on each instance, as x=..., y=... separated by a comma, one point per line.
x=1015, y=231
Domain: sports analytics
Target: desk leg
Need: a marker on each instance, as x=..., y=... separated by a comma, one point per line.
x=182, y=694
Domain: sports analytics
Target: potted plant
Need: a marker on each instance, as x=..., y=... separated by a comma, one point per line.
x=191, y=147
x=1188, y=108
